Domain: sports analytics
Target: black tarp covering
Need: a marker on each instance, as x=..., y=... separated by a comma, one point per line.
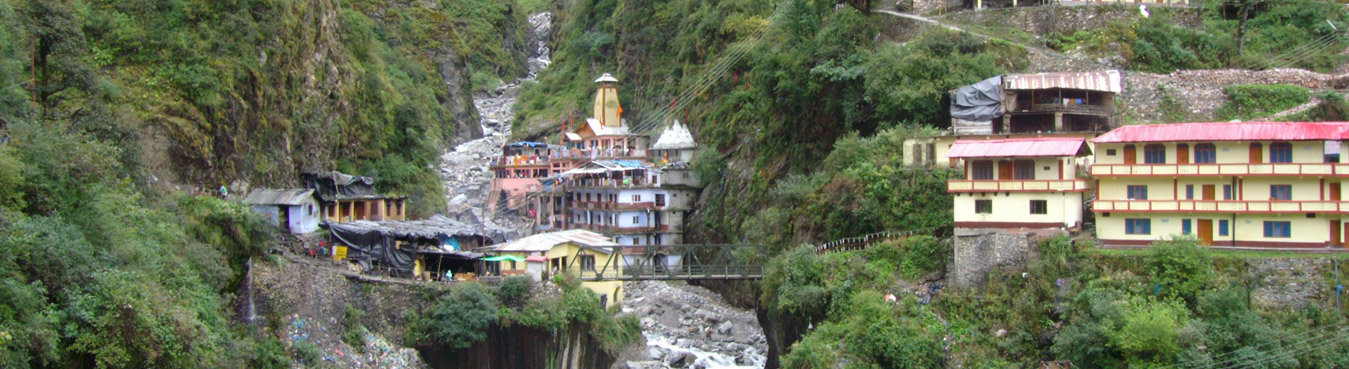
x=330, y=186
x=979, y=102
x=368, y=246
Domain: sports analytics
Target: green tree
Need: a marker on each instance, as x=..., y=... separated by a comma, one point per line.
x=462, y=317
x=1180, y=267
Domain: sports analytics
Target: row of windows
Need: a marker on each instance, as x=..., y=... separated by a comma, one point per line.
x=1022, y=170
x=1279, y=192
x=1273, y=229
x=985, y=206
x=1204, y=153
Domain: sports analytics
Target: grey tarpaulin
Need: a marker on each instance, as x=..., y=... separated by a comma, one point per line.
x=366, y=245
x=331, y=186
x=979, y=102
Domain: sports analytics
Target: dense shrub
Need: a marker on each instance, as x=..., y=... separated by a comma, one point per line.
x=1253, y=101
x=1180, y=268
x=462, y=317
x=514, y=291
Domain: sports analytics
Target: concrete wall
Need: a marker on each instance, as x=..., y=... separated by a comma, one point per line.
x=1063, y=209
x=303, y=218
x=1248, y=229
x=1237, y=152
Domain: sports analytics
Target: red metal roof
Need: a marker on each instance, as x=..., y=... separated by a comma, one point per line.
x=1017, y=147
x=1250, y=131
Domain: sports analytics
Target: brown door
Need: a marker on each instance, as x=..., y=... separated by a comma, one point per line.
x=1182, y=154
x=1334, y=191
x=1130, y=154
x=1257, y=153
x=1206, y=231
x=1208, y=192
x=1335, y=232
x=1005, y=170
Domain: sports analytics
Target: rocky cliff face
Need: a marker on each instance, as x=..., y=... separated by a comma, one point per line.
x=524, y=347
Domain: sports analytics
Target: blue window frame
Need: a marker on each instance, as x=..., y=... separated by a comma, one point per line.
x=1281, y=192
x=1227, y=192
x=1138, y=226
x=1222, y=227
x=1281, y=152
x=1189, y=192
x=1205, y=153
x=1154, y=154
x=1185, y=227
x=981, y=170
x=1138, y=192
x=1275, y=229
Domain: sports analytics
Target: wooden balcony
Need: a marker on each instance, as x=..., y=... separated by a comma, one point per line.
x=1056, y=185
x=1265, y=169
x=1225, y=206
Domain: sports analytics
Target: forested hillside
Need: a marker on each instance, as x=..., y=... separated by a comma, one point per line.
x=114, y=114
x=801, y=142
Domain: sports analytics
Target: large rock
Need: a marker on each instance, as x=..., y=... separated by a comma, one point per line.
x=725, y=327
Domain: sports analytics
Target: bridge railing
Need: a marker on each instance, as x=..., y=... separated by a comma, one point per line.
x=666, y=262
x=861, y=242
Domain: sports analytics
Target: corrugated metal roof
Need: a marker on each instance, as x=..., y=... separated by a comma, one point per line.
x=1250, y=131
x=606, y=78
x=1096, y=81
x=545, y=241
x=1018, y=147
x=269, y=196
x=429, y=229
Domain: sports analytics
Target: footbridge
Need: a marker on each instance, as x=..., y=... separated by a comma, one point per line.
x=667, y=262
x=697, y=261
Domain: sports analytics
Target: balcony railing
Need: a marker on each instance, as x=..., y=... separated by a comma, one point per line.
x=1066, y=185
x=1225, y=206
x=1070, y=108
x=597, y=153
x=610, y=205
x=607, y=183
x=1265, y=169
x=613, y=229
x=520, y=161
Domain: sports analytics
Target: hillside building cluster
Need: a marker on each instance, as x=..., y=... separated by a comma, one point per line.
x=603, y=184
x=1061, y=165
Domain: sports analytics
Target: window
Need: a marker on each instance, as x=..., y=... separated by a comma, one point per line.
x=1185, y=227
x=1138, y=226
x=1281, y=192
x=1222, y=227
x=1227, y=192
x=982, y=169
x=983, y=206
x=1025, y=170
x=1204, y=153
x=636, y=198
x=1110, y=152
x=1039, y=207
x=1189, y=192
x=588, y=262
x=636, y=220
x=1281, y=152
x=1278, y=229
x=1154, y=154
x=1138, y=192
